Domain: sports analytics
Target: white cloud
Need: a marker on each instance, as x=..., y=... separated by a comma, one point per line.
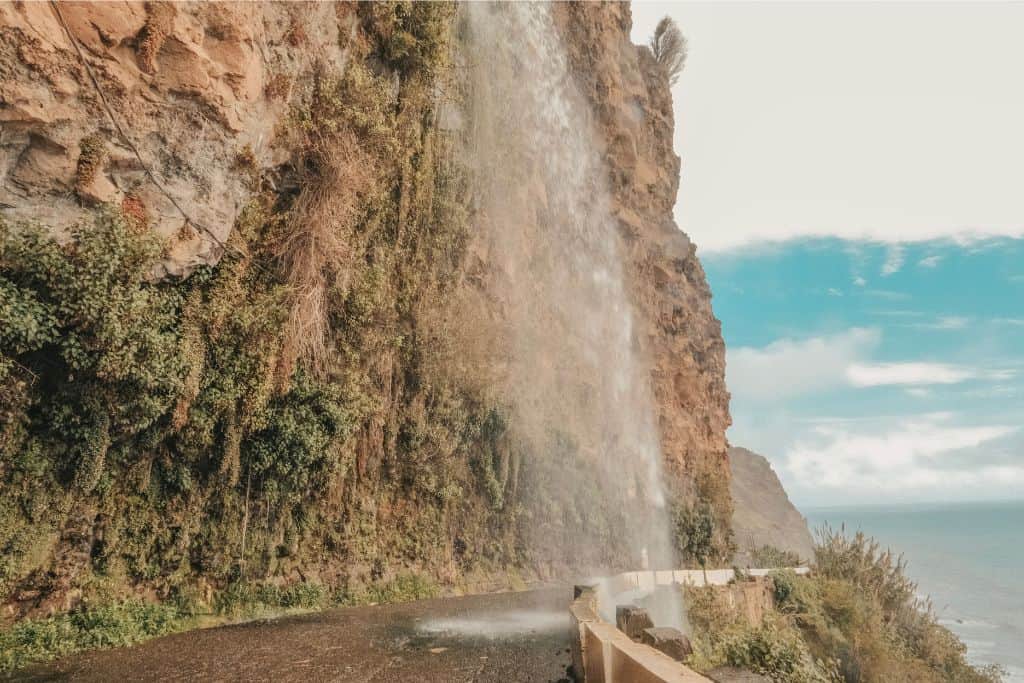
x=859, y=281
x=987, y=245
x=789, y=367
x=887, y=374
x=832, y=291
x=1000, y=375
x=794, y=367
x=735, y=237
x=899, y=313
x=1015, y=322
x=1001, y=391
x=887, y=294
x=911, y=454
x=946, y=322
x=929, y=261
x=913, y=180
x=951, y=322
x=893, y=260
x=918, y=392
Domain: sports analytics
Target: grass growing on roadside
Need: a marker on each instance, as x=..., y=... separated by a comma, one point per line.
x=242, y=600
x=130, y=622
x=114, y=625
x=246, y=600
x=402, y=588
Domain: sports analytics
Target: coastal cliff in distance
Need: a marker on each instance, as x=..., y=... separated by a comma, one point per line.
x=763, y=514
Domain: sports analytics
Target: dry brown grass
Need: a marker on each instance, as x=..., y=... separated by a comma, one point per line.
x=318, y=245
x=278, y=87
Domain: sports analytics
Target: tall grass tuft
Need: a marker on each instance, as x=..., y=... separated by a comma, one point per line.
x=334, y=172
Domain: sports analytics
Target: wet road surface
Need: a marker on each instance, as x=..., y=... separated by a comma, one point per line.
x=503, y=637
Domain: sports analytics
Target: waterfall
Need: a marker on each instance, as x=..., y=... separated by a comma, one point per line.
x=544, y=210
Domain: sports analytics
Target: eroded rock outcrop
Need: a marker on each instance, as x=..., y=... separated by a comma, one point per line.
x=166, y=109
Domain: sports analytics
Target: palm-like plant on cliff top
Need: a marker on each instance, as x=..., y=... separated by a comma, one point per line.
x=669, y=47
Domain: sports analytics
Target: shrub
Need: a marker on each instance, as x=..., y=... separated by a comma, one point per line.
x=708, y=611
x=777, y=652
x=294, y=455
x=865, y=609
x=402, y=588
x=413, y=35
x=770, y=556
x=81, y=307
x=115, y=625
x=89, y=365
x=855, y=617
x=489, y=433
x=694, y=535
x=331, y=131
x=91, y=158
x=783, y=585
x=249, y=599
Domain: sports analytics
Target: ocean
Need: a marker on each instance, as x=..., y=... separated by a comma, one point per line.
x=968, y=557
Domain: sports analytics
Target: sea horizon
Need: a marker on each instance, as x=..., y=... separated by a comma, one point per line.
x=803, y=508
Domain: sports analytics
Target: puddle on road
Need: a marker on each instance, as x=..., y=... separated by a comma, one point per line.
x=500, y=625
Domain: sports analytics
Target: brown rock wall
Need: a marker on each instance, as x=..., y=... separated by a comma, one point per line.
x=188, y=83
x=679, y=332
x=200, y=89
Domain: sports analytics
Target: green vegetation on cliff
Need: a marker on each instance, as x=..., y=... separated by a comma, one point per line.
x=302, y=413
x=300, y=423
x=183, y=437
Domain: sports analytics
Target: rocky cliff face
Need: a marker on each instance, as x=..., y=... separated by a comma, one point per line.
x=678, y=330
x=245, y=357
x=764, y=516
x=197, y=89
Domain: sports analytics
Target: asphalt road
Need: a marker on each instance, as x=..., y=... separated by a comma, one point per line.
x=505, y=637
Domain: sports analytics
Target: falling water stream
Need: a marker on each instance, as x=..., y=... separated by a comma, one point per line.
x=543, y=203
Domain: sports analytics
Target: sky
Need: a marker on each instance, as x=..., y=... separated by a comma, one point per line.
x=853, y=177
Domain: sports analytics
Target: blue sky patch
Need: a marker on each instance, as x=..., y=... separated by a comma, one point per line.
x=865, y=369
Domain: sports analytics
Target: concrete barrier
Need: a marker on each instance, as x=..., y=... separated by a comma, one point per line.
x=603, y=654
x=609, y=656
